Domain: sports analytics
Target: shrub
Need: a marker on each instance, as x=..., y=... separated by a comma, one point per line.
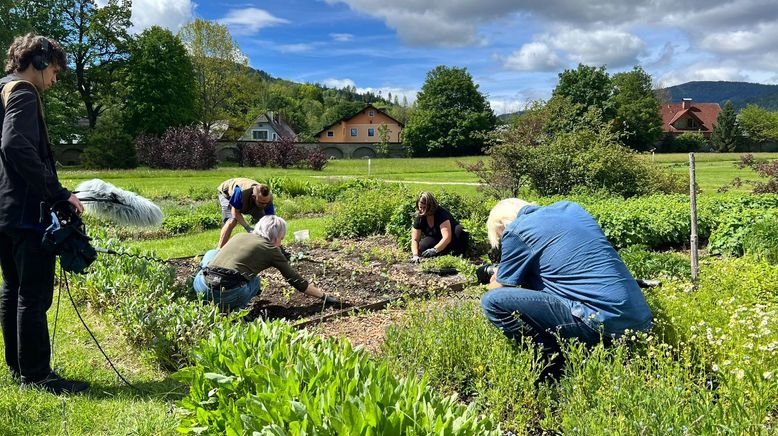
x=298, y=206
x=178, y=148
x=283, y=153
x=687, y=142
x=458, y=350
x=762, y=241
x=268, y=378
x=737, y=226
x=109, y=146
x=767, y=169
x=361, y=213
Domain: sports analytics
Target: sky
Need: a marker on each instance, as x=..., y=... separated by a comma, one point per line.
x=514, y=49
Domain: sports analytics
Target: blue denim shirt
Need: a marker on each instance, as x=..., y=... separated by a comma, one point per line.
x=562, y=250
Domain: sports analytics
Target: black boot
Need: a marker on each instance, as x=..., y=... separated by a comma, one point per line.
x=57, y=385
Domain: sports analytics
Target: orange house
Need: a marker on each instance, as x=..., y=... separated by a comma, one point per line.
x=362, y=127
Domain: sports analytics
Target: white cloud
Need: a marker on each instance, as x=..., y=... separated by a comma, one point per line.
x=171, y=14
x=295, y=48
x=761, y=37
x=534, y=56
x=339, y=83
x=506, y=106
x=249, y=21
x=341, y=37
x=702, y=71
x=607, y=46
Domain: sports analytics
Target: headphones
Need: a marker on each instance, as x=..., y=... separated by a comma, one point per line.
x=41, y=59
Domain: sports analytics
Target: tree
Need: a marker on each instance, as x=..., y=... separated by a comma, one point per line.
x=96, y=40
x=637, y=109
x=588, y=86
x=758, y=123
x=727, y=136
x=220, y=71
x=159, y=84
x=451, y=117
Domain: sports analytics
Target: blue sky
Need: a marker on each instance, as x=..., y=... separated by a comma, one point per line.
x=514, y=49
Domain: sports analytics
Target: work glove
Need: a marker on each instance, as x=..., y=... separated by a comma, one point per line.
x=415, y=259
x=429, y=252
x=329, y=300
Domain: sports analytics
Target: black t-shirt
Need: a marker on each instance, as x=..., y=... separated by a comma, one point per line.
x=441, y=216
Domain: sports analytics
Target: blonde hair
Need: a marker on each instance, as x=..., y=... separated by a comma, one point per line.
x=502, y=214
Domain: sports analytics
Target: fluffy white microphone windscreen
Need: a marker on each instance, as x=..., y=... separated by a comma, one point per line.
x=117, y=205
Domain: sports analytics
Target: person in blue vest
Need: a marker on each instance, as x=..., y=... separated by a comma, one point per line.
x=241, y=196
x=558, y=277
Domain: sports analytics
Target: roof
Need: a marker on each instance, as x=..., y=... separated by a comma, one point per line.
x=705, y=113
x=278, y=124
x=344, y=119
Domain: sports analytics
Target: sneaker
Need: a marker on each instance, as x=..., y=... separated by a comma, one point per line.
x=57, y=385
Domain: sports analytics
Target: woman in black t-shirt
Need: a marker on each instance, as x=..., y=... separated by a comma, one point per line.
x=435, y=231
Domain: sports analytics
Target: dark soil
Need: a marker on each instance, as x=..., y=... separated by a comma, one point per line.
x=358, y=273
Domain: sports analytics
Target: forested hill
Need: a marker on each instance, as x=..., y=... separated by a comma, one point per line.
x=740, y=93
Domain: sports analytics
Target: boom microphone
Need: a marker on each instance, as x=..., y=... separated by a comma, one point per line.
x=117, y=205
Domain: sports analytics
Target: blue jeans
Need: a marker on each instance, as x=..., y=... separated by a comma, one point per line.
x=227, y=299
x=539, y=315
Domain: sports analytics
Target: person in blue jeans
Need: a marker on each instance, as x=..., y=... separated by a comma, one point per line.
x=229, y=277
x=558, y=277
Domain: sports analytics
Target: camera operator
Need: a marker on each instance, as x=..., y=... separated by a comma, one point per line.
x=29, y=186
x=558, y=275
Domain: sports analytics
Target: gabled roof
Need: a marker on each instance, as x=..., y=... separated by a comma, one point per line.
x=705, y=113
x=345, y=119
x=277, y=123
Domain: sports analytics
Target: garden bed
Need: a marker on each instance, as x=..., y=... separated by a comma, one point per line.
x=364, y=274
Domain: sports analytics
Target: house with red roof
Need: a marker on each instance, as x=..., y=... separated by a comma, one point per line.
x=688, y=116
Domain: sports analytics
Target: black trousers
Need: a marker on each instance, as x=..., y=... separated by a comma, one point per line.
x=457, y=246
x=26, y=295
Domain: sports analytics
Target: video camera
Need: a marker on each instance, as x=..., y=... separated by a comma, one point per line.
x=66, y=237
x=485, y=272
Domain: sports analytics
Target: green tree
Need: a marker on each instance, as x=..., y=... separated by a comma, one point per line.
x=589, y=87
x=220, y=72
x=159, y=83
x=727, y=136
x=451, y=117
x=95, y=39
x=108, y=145
x=759, y=123
x=637, y=109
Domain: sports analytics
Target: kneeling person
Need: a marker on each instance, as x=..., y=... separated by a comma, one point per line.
x=241, y=196
x=230, y=277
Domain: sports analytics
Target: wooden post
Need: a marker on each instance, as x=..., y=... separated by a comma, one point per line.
x=693, y=200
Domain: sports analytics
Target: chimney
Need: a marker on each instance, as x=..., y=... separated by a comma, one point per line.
x=687, y=103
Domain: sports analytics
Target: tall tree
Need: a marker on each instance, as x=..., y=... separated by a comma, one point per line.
x=588, y=86
x=759, y=123
x=220, y=70
x=451, y=117
x=727, y=136
x=159, y=83
x=637, y=109
x=96, y=41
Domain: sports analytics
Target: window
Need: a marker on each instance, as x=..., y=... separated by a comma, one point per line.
x=692, y=123
x=275, y=136
x=259, y=135
x=330, y=134
x=354, y=131
x=371, y=132
x=371, y=113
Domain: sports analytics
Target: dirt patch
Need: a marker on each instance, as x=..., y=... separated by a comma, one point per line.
x=366, y=329
x=363, y=272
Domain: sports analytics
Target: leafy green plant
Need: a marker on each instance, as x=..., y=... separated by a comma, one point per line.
x=646, y=264
x=364, y=213
x=268, y=378
x=762, y=241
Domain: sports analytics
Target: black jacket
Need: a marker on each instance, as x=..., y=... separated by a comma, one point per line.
x=27, y=172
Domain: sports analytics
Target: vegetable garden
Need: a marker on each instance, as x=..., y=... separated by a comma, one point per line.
x=709, y=366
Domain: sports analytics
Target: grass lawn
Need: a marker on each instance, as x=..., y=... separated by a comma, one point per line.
x=109, y=407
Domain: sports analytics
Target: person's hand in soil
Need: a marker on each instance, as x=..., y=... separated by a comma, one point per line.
x=331, y=300
x=415, y=259
x=430, y=252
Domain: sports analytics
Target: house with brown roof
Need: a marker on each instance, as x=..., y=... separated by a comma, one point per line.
x=268, y=127
x=362, y=127
x=687, y=116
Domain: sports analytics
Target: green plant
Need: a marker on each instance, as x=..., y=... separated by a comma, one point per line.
x=645, y=264
x=458, y=350
x=762, y=240
x=268, y=378
x=364, y=213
